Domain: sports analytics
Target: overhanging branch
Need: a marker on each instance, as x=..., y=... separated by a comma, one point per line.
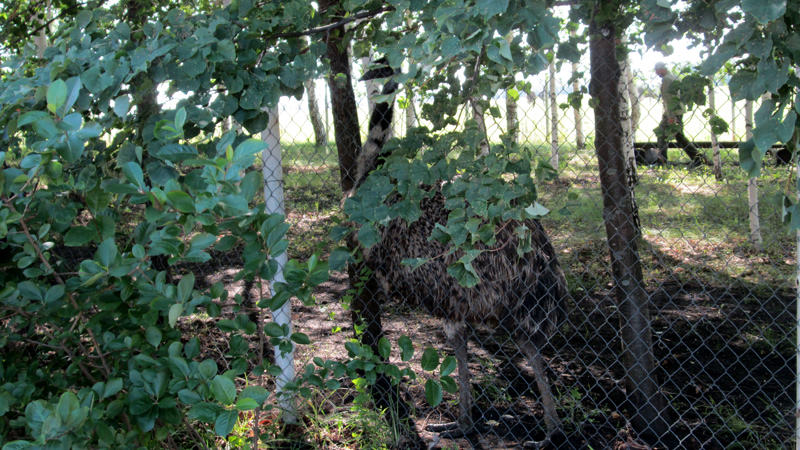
x=326, y=28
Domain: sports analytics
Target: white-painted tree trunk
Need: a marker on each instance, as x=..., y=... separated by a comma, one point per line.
x=477, y=114
x=636, y=107
x=624, y=114
x=553, y=118
x=411, y=112
x=40, y=40
x=512, y=121
x=274, y=203
x=580, y=138
x=546, y=104
x=372, y=86
x=320, y=132
x=752, y=187
x=714, y=140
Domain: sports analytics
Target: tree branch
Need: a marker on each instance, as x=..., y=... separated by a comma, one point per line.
x=332, y=26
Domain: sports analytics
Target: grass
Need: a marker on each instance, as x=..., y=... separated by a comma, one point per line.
x=694, y=227
x=695, y=230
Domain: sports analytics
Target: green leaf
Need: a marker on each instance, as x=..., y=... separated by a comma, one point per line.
x=56, y=292
x=248, y=148
x=448, y=365
x=177, y=152
x=17, y=445
x=406, y=347
x=451, y=46
x=107, y=252
x=140, y=401
x=79, y=236
x=433, y=392
x=189, y=397
x=207, y=369
x=192, y=348
x=175, y=312
x=56, y=95
x=339, y=257
x=205, y=412
x=272, y=329
x=83, y=18
x=133, y=172
x=153, y=336
x=786, y=128
x=181, y=201
x=185, y=287
x=750, y=158
x=31, y=117
x=246, y=404
x=301, y=338
x=121, y=106
x=448, y=384
x=112, y=386
x=251, y=183
x=225, y=422
x=536, y=211
x=489, y=8
x=384, y=348
x=257, y=393
x=368, y=235
x=224, y=389
x=430, y=359
x=180, y=119
x=179, y=364
x=765, y=11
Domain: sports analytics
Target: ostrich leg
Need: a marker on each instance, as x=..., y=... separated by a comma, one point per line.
x=464, y=424
x=551, y=420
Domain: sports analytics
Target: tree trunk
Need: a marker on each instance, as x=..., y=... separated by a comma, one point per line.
x=366, y=303
x=512, y=121
x=546, y=105
x=343, y=104
x=580, y=139
x=411, y=112
x=320, y=134
x=371, y=85
x=477, y=114
x=626, y=121
x=752, y=186
x=647, y=404
x=633, y=96
x=40, y=40
x=553, y=118
x=714, y=141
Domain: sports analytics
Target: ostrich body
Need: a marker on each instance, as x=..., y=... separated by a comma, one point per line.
x=525, y=295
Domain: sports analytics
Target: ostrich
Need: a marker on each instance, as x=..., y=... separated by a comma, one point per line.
x=525, y=295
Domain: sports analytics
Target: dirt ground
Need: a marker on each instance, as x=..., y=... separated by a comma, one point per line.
x=727, y=378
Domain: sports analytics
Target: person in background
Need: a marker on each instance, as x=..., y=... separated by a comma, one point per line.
x=672, y=123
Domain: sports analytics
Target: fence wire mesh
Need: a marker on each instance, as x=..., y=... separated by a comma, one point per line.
x=721, y=301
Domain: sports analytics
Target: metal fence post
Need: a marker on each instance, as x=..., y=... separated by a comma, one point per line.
x=274, y=203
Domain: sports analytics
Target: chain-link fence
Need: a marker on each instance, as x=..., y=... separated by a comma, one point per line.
x=717, y=266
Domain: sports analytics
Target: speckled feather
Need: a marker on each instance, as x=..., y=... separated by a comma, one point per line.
x=524, y=294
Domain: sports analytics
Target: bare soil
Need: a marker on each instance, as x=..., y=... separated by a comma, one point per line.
x=728, y=378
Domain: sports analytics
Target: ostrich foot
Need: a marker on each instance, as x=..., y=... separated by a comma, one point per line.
x=450, y=430
x=453, y=430
x=538, y=445
x=550, y=441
